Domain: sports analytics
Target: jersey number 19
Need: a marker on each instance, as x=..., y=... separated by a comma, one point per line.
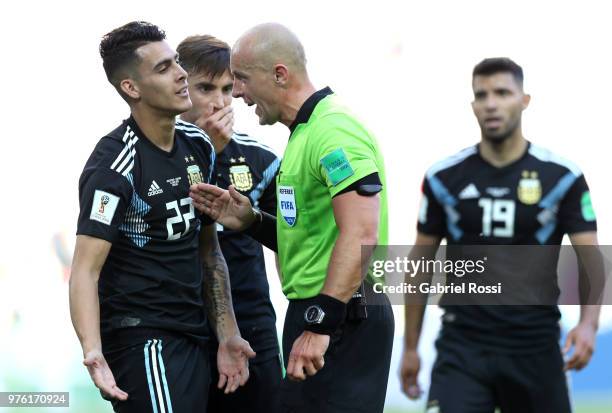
x=497, y=211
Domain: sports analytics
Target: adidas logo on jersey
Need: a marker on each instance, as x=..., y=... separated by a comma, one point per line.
x=154, y=189
x=469, y=192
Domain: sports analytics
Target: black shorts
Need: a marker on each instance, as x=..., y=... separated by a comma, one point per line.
x=161, y=372
x=467, y=380
x=354, y=378
x=261, y=394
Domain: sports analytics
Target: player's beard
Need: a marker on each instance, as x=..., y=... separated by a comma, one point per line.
x=498, y=138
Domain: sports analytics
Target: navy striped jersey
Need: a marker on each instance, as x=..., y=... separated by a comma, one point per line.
x=251, y=167
x=136, y=196
x=533, y=201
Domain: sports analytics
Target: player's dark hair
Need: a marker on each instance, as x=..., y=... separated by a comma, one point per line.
x=118, y=48
x=493, y=65
x=204, y=54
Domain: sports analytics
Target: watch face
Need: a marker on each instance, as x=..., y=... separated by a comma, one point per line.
x=313, y=314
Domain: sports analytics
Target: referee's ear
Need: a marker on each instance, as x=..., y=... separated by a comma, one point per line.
x=281, y=75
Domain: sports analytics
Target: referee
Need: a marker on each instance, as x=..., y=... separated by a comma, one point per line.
x=252, y=168
x=331, y=201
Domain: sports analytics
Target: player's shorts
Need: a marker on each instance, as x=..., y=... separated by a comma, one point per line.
x=160, y=371
x=261, y=394
x=467, y=380
x=354, y=377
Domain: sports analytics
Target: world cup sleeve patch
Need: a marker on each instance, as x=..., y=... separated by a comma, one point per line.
x=103, y=207
x=337, y=166
x=587, y=207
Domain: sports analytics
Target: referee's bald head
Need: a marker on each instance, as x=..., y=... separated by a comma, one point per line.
x=268, y=44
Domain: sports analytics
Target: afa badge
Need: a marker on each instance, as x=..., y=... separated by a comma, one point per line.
x=287, y=205
x=529, y=189
x=194, y=174
x=241, y=177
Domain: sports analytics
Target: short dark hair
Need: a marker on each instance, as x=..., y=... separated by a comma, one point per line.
x=493, y=65
x=204, y=54
x=118, y=47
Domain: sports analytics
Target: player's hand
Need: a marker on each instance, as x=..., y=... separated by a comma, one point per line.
x=307, y=355
x=102, y=376
x=228, y=207
x=409, y=371
x=582, y=339
x=218, y=125
x=233, y=363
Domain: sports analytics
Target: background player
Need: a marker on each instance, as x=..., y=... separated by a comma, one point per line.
x=504, y=190
x=251, y=167
x=144, y=260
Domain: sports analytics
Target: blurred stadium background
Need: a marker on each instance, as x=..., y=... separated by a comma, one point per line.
x=403, y=66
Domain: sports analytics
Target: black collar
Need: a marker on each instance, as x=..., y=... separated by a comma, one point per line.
x=308, y=107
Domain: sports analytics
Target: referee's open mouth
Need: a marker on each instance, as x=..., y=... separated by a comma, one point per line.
x=183, y=91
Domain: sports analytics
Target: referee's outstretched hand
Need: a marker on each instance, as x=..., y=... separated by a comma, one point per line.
x=307, y=355
x=233, y=363
x=228, y=207
x=102, y=376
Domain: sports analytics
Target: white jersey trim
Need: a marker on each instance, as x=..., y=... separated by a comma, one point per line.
x=451, y=161
x=545, y=155
x=124, y=162
x=250, y=141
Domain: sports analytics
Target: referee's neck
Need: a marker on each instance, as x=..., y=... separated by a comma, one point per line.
x=294, y=101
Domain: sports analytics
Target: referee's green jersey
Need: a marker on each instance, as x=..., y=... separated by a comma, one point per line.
x=326, y=153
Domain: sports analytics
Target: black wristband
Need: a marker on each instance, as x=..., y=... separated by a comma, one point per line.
x=256, y=225
x=263, y=230
x=324, y=315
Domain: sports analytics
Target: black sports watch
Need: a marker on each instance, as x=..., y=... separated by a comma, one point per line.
x=324, y=315
x=314, y=315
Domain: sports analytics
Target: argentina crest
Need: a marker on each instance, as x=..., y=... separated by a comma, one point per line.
x=241, y=177
x=194, y=174
x=529, y=189
x=287, y=205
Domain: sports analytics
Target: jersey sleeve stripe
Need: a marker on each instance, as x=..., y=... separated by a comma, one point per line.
x=124, y=162
x=252, y=142
x=557, y=193
x=193, y=131
x=268, y=175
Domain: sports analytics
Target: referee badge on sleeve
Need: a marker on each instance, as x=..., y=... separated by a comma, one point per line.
x=103, y=207
x=287, y=205
x=337, y=166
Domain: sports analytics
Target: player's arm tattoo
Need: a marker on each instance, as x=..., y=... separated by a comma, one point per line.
x=217, y=291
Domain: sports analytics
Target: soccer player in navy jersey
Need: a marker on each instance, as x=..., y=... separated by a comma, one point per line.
x=251, y=168
x=503, y=191
x=148, y=273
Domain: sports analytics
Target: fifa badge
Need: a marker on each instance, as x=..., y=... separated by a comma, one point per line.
x=287, y=205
